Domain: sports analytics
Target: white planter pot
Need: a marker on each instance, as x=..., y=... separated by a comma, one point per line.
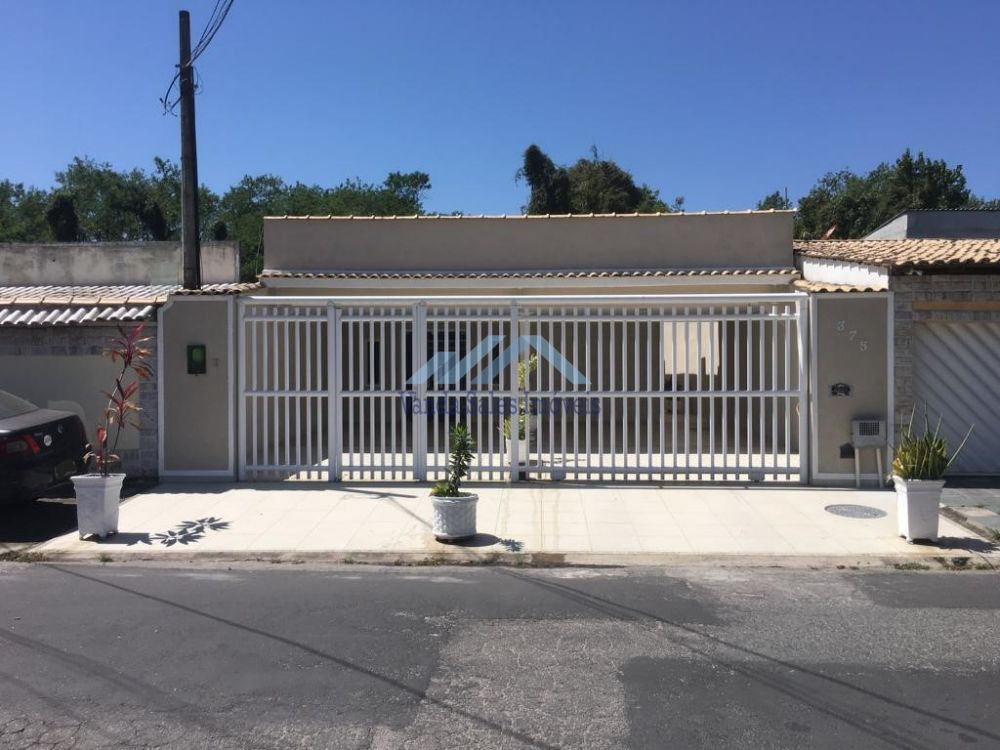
x=917, y=505
x=454, y=517
x=523, y=451
x=97, y=499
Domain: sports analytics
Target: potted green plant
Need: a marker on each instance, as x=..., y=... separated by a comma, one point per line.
x=99, y=492
x=454, y=514
x=918, y=467
x=524, y=421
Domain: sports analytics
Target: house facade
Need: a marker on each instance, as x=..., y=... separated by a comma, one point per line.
x=61, y=304
x=672, y=347
x=690, y=348
x=945, y=291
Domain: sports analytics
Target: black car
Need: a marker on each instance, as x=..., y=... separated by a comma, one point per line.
x=40, y=449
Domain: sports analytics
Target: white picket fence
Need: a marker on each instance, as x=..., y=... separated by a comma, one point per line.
x=692, y=388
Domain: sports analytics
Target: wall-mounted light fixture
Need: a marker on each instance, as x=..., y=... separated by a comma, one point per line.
x=197, y=359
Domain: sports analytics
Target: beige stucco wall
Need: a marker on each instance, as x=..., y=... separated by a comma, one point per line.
x=197, y=408
x=62, y=367
x=850, y=347
x=668, y=241
x=74, y=264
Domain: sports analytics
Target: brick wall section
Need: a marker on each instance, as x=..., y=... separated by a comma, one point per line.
x=910, y=289
x=89, y=340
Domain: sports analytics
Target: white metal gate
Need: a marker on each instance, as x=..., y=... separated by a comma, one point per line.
x=696, y=388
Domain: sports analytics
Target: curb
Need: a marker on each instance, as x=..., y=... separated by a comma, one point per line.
x=470, y=558
x=953, y=514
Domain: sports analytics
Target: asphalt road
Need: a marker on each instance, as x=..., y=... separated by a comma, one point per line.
x=358, y=657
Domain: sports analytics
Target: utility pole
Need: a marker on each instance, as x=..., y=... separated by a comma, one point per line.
x=189, y=162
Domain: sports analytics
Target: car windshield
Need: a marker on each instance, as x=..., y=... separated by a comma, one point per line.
x=11, y=405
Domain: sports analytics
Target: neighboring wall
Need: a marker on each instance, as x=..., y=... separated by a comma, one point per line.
x=850, y=346
x=759, y=239
x=942, y=298
x=967, y=224
x=103, y=263
x=197, y=423
x=64, y=368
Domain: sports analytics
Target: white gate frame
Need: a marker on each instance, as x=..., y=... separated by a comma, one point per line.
x=419, y=305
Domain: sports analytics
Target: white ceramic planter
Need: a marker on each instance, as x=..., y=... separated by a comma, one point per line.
x=97, y=499
x=917, y=504
x=454, y=517
x=523, y=451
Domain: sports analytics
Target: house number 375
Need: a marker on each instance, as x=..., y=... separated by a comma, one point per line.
x=852, y=335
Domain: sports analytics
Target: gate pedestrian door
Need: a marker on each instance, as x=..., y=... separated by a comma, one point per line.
x=695, y=388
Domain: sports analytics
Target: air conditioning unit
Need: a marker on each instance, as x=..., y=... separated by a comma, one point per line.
x=868, y=433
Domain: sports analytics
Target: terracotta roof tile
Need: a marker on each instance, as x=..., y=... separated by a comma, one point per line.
x=821, y=286
x=910, y=253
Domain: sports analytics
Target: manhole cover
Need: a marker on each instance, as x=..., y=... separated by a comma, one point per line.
x=855, y=511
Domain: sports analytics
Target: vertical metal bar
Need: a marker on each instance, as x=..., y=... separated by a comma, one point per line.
x=661, y=326
x=687, y=388
x=600, y=389
x=712, y=389
x=381, y=416
x=563, y=347
x=749, y=386
x=787, y=386
x=804, y=447
x=615, y=362
x=649, y=327
x=287, y=388
x=724, y=356
x=587, y=326
x=762, y=398
x=774, y=387
x=265, y=404
x=298, y=398
x=699, y=385
x=673, y=388
x=352, y=378
x=276, y=371
x=515, y=334
x=334, y=397
x=243, y=402
x=392, y=387
x=419, y=412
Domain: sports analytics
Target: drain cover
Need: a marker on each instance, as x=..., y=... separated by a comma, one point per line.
x=855, y=511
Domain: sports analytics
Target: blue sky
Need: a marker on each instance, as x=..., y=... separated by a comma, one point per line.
x=721, y=102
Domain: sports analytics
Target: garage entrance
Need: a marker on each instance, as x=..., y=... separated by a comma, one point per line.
x=693, y=388
x=956, y=368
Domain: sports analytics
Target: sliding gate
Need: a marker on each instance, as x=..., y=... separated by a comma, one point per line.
x=602, y=388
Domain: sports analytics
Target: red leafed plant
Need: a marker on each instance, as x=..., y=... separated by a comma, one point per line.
x=122, y=411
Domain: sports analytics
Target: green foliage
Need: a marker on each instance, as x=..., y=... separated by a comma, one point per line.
x=591, y=185
x=135, y=205
x=776, y=201
x=923, y=455
x=62, y=219
x=846, y=205
x=462, y=450
x=524, y=368
x=22, y=212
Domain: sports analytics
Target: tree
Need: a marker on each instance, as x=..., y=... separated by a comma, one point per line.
x=847, y=205
x=64, y=225
x=774, y=201
x=22, y=213
x=243, y=208
x=591, y=185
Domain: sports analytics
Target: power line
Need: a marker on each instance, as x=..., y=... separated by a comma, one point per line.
x=215, y=21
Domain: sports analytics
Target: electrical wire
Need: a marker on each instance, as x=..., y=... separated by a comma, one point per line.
x=215, y=21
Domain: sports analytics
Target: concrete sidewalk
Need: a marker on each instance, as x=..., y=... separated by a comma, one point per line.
x=562, y=523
